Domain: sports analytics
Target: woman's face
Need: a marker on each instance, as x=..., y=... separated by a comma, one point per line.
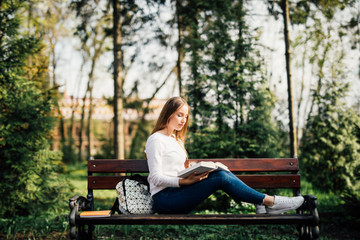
x=178, y=119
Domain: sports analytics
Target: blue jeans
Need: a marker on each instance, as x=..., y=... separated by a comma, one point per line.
x=181, y=200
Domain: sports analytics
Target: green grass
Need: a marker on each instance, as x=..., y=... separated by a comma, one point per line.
x=196, y=232
x=54, y=225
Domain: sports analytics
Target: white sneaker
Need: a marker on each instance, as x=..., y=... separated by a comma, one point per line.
x=260, y=209
x=284, y=204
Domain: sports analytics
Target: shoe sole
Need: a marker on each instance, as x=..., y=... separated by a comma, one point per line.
x=283, y=210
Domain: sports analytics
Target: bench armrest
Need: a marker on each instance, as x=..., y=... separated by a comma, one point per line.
x=80, y=203
x=310, y=205
x=76, y=204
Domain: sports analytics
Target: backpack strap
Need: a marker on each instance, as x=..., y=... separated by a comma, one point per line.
x=115, y=207
x=124, y=191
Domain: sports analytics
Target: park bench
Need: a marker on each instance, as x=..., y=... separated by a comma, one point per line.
x=259, y=173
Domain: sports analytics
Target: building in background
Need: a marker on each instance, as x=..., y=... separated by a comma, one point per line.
x=101, y=122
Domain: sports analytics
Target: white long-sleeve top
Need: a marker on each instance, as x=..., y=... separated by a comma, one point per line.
x=165, y=159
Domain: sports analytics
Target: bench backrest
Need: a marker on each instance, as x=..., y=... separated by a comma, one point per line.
x=255, y=172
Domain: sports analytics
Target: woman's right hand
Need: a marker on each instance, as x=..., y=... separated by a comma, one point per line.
x=193, y=178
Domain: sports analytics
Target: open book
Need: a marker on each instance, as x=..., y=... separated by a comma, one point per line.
x=202, y=167
x=91, y=214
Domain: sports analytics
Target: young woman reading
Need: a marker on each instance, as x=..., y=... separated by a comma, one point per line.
x=166, y=156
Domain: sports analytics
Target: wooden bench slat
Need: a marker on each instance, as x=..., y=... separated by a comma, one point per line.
x=271, y=181
x=258, y=164
x=237, y=165
x=117, y=166
x=255, y=181
x=188, y=219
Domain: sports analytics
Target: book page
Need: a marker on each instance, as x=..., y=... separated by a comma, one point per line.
x=222, y=166
x=199, y=168
x=103, y=213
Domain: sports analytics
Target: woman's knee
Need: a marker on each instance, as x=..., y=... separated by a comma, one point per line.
x=220, y=175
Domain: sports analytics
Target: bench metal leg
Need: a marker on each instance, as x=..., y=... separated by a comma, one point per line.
x=309, y=231
x=76, y=204
x=90, y=231
x=73, y=211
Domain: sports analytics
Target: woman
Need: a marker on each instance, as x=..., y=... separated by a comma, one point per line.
x=166, y=156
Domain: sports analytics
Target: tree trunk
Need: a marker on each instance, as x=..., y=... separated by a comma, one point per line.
x=320, y=63
x=82, y=124
x=293, y=144
x=119, y=147
x=71, y=124
x=82, y=112
x=195, y=93
x=239, y=96
x=52, y=42
x=88, y=128
x=179, y=47
x=301, y=98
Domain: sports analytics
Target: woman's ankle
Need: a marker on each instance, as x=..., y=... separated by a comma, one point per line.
x=268, y=200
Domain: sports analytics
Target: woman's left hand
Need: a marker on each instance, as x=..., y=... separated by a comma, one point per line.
x=193, y=178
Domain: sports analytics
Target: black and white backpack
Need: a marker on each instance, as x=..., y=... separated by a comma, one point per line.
x=134, y=196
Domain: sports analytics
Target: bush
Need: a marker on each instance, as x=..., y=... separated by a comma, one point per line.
x=28, y=169
x=330, y=148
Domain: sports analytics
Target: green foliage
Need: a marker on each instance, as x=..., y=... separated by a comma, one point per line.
x=201, y=232
x=208, y=144
x=143, y=129
x=14, y=49
x=302, y=11
x=28, y=169
x=258, y=135
x=107, y=149
x=217, y=202
x=69, y=151
x=330, y=143
x=230, y=102
x=46, y=226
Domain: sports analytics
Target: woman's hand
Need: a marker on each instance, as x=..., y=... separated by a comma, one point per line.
x=193, y=178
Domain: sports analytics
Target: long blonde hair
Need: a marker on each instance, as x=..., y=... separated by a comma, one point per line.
x=170, y=107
